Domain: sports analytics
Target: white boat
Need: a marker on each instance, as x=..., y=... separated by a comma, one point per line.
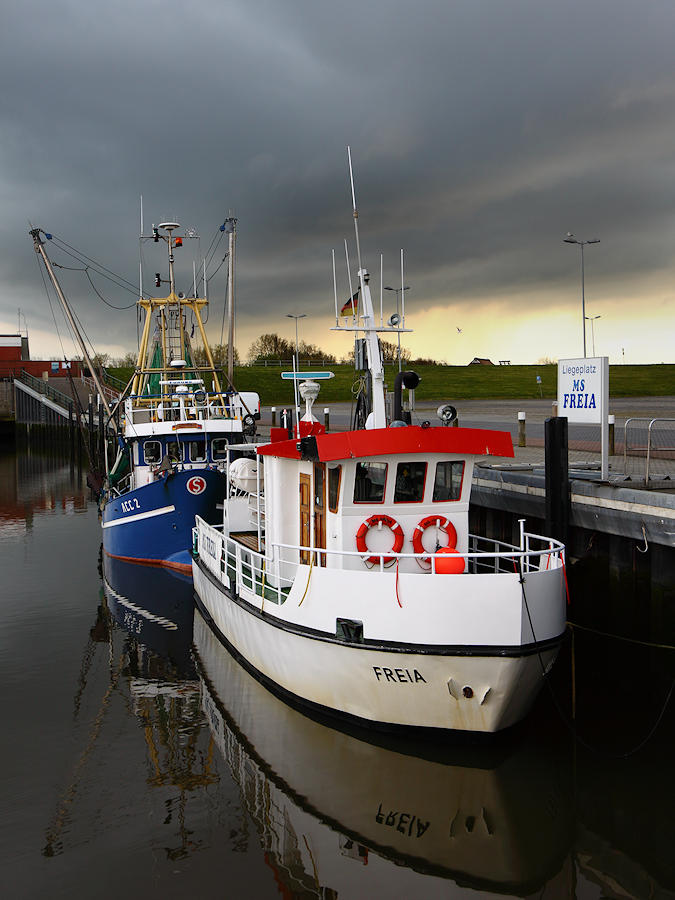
x=345, y=577
x=343, y=815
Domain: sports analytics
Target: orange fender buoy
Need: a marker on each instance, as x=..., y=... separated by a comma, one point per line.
x=451, y=563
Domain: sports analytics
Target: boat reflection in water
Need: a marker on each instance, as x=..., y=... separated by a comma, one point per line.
x=341, y=817
x=155, y=607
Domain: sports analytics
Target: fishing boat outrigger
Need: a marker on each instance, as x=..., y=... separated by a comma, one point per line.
x=345, y=578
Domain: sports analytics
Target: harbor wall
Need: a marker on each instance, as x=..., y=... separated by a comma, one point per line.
x=620, y=574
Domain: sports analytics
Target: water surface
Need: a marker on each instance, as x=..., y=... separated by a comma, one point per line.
x=138, y=756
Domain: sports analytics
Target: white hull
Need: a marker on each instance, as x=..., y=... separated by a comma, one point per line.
x=334, y=810
x=467, y=687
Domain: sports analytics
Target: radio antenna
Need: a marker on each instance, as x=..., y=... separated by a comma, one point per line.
x=356, y=214
x=335, y=288
x=349, y=275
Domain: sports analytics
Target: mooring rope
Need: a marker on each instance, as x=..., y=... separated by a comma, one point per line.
x=570, y=725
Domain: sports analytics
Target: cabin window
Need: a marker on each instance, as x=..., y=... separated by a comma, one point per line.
x=319, y=487
x=219, y=448
x=410, y=478
x=369, y=483
x=448, y=483
x=334, y=476
x=174, y=451
x=152, y=452
x=197, y=451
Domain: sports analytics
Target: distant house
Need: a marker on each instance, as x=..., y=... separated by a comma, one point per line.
x=13, y=347
x=15, y=359
x=477, y=361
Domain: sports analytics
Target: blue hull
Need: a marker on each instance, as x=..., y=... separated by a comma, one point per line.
x=153, y=524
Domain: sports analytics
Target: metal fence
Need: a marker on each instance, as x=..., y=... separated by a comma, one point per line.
x=649, y=447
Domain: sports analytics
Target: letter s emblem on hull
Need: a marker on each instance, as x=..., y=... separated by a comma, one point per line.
x=196, y=484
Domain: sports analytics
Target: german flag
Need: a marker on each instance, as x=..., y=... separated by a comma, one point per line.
x=351, y=306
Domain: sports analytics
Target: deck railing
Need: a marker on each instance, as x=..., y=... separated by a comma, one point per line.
x=167, y=407
x=272, y=578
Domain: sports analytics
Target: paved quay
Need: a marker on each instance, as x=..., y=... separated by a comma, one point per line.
x=584, y=441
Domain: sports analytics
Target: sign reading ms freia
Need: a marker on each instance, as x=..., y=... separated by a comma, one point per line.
x=583, y=388
x=579, y=397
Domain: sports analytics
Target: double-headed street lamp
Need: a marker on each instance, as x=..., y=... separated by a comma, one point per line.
x=397, y=291
x=570, y=239
x=592, y=319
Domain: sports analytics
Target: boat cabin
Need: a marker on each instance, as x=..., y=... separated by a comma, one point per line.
x=184, y=426
x=362, y=495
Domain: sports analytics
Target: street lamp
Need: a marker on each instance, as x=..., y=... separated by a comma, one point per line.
x=397, y=291
x=592, y=319
x=570, y=239
x=301, y=316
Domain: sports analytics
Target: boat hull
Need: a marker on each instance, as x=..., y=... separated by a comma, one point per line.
x=469, y=688
x=153, y=523
x=492, y=816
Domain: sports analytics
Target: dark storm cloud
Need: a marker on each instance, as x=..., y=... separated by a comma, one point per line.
x=481, y=133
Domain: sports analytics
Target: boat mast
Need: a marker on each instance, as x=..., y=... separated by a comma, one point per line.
x=39, y=248
x=379, y=416
x=231, y=229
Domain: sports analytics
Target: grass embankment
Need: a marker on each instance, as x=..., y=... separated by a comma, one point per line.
x=448, y=383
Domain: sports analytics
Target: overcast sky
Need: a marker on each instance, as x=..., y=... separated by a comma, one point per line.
x=482, y=131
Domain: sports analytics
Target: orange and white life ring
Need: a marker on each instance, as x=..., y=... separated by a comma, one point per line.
x=379, y=519
x=439, y=522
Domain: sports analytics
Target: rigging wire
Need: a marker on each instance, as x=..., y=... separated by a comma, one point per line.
x=210, y=253
x=104, y=270
x=49, y=300
x=75, y=316
x=213, y=274
x=91, y=346
x=94, y=288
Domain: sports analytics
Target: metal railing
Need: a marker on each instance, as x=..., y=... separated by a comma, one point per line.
x=43, y=387
x=272, y=579
x=116, y=383
x=653, y=440
x=111, y=395
x=177, y=407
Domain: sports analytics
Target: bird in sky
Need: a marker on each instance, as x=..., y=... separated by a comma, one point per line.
x=459, y=330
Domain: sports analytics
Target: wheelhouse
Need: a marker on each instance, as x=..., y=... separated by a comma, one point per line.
x=373, y=493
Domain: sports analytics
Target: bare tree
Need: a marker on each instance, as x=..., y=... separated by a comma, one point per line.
x=219, y=354
x=271, y=346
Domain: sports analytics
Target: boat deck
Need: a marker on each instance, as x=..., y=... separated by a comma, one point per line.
x=248, y=539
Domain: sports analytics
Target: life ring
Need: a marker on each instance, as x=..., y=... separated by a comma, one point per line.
x=440, y=522
x=365, y=527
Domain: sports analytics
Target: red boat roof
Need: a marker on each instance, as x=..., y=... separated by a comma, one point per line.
x=388, y=441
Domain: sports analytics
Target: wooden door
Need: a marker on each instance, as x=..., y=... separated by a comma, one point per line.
x=305, y=486
x=320, y=510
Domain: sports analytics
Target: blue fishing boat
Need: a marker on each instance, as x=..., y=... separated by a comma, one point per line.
x=179, y=419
